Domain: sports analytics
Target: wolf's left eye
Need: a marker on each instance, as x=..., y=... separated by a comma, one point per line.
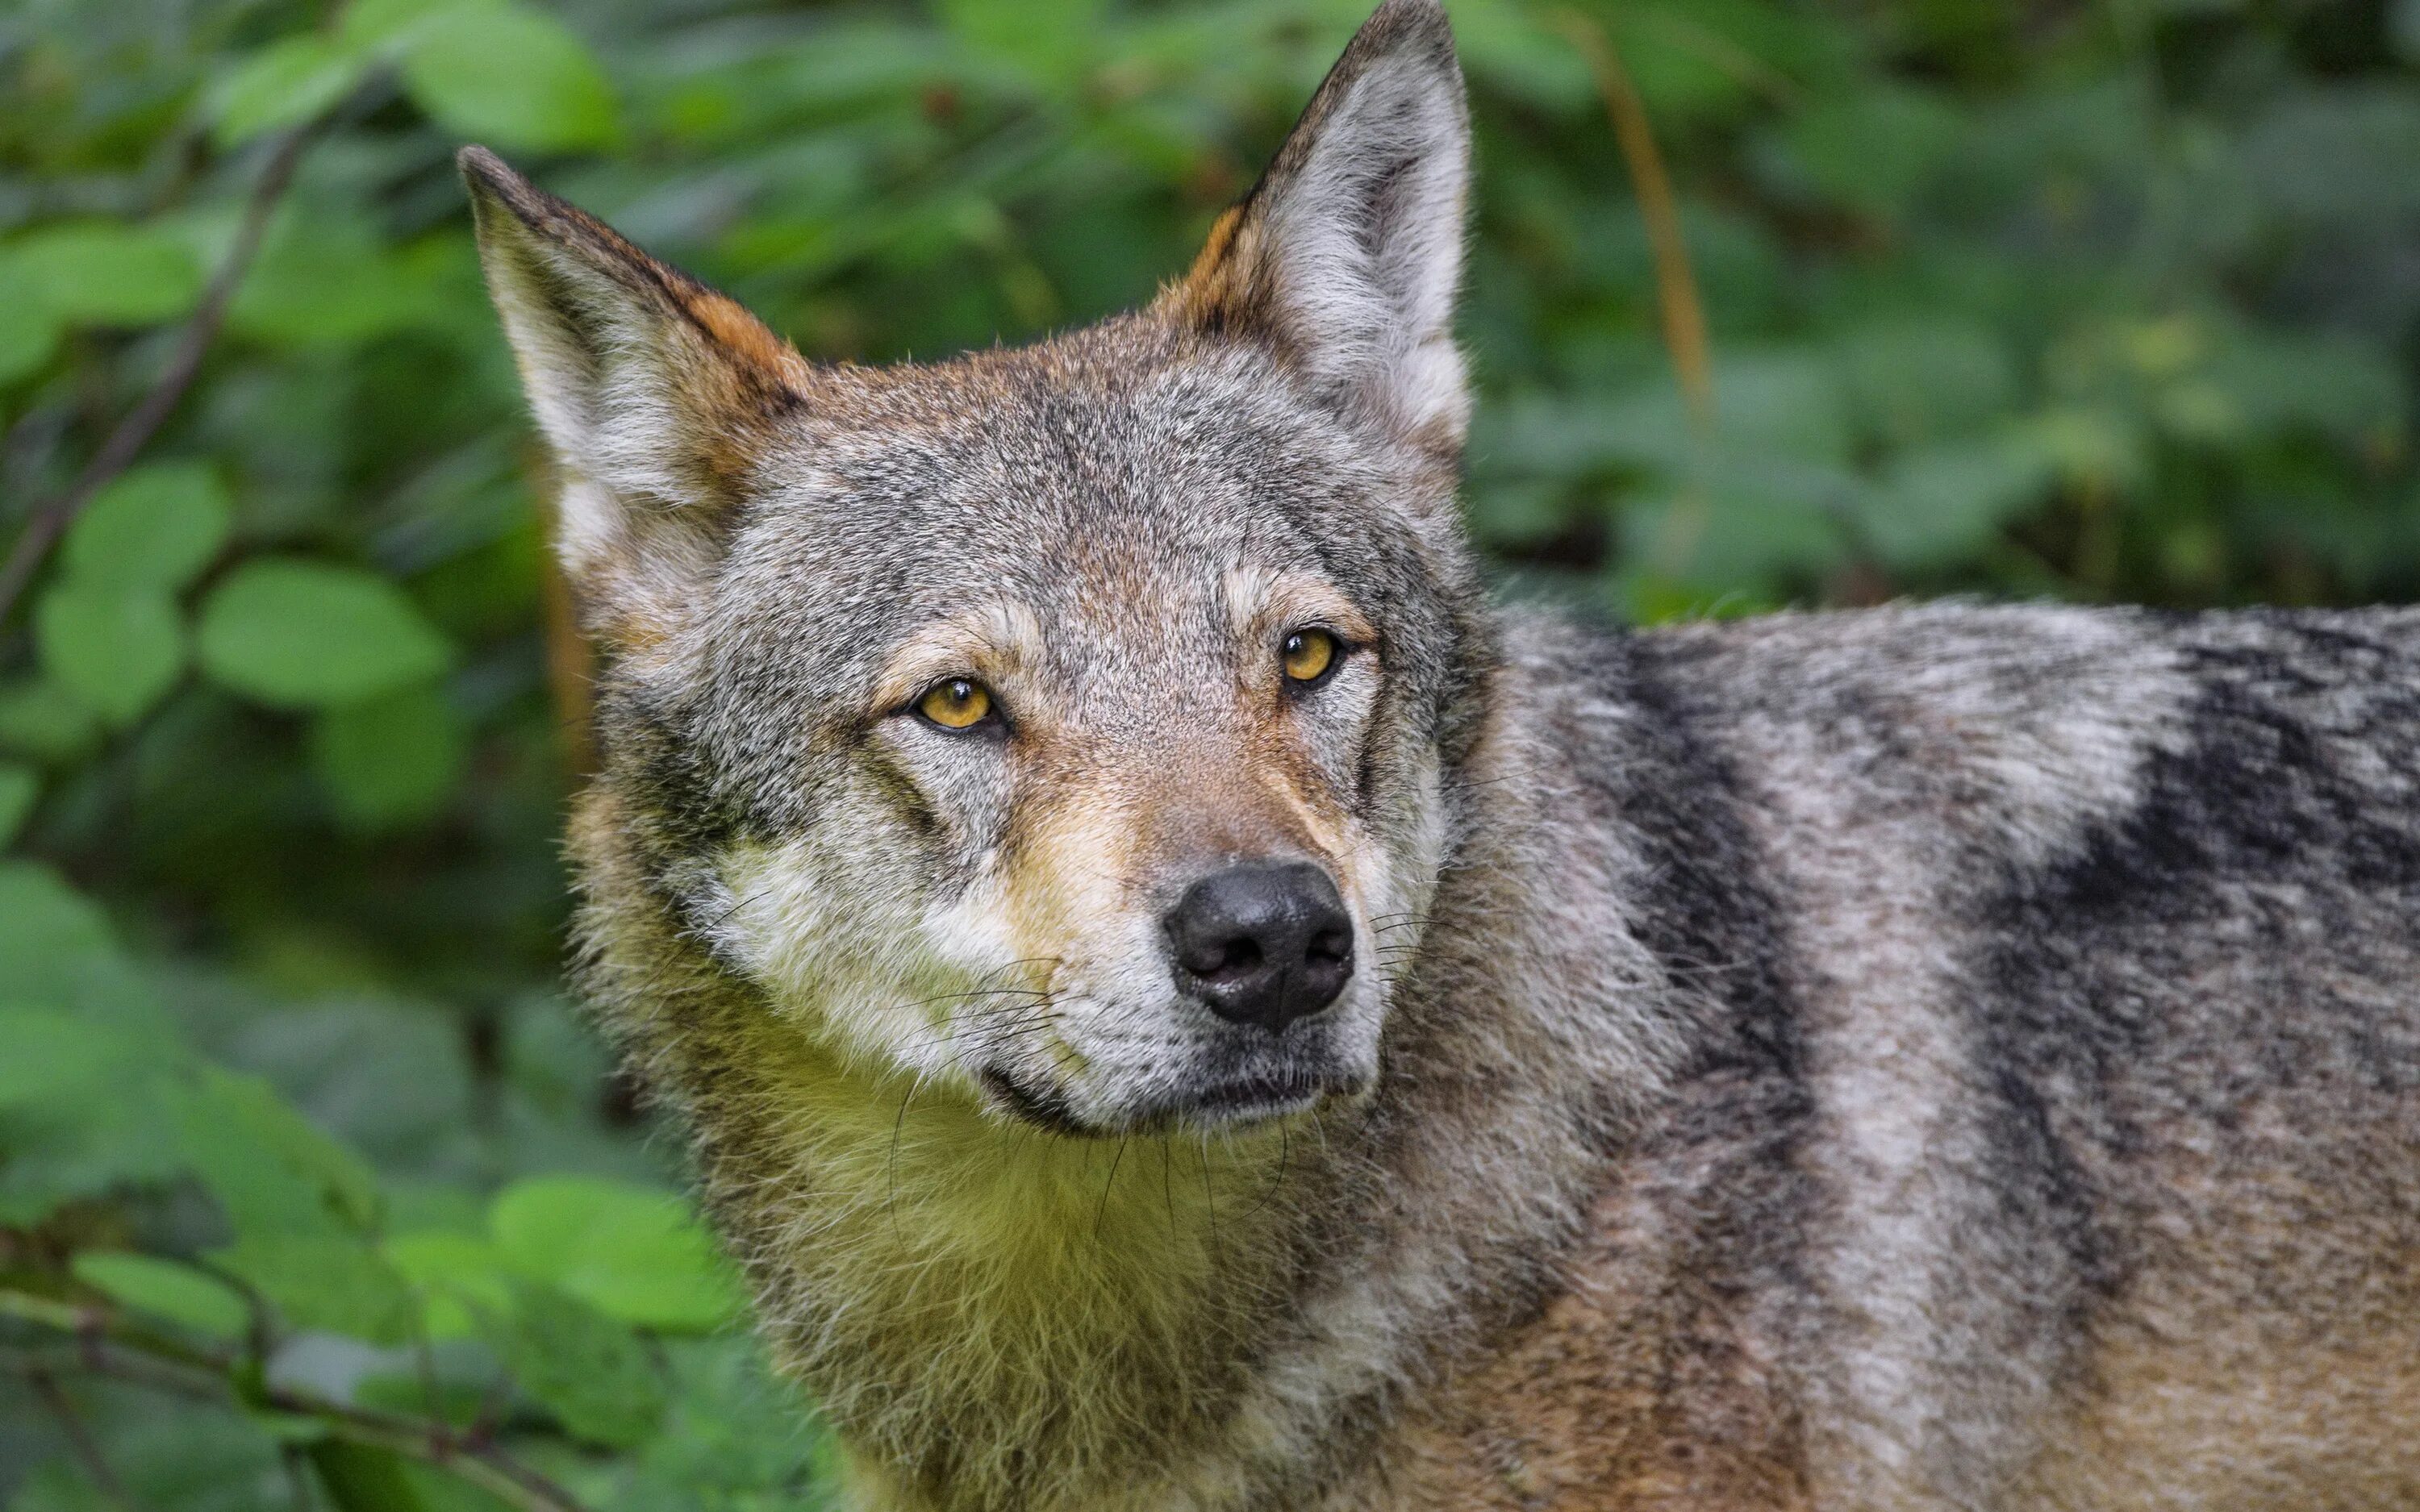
x=955, y=703
x=1310, y=655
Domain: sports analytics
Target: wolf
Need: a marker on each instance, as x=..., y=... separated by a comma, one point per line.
x=1183, y=1001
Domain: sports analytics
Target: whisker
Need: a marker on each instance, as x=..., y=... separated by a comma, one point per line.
x=1166, y=1189
x=891, y=1201
x=993, y=1031
x=1286, y=1150
x=1102, y=1212
x=718, y=920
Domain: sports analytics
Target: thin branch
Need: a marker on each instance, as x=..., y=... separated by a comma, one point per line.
x=80, y=1439
x=297, y=1479
x=50, y=520
x=1676, y=284
x=139, y=1357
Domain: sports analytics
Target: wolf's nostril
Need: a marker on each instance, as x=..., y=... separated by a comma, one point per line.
x=1263, y=945
x=1239, y=955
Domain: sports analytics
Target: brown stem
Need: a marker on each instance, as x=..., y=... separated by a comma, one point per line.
x=121, y=1352
x=297, y=1479
x=1676, y=285
x=51, y=519
x=80, y=1439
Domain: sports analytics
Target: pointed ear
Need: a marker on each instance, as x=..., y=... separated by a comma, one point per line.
x=1346, y=255
x=657, y=395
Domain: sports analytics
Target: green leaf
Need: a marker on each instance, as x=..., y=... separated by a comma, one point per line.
x=285, y=83
x=155, y=527
x=511, y=75
x=1938, y=504
x=459, y=1278
x=2335, y=386
x=634, y=1253
x=176, y=1292
x=1876, y=148
x=734, y=1426
x=359, y=1478
x=44, y=722
x=276, y=1174
x=87, y=1146
x=392, y=761
x=2403, y=28
x=590, y=1372
x=332, y=283
x=115, y=649
x=329, y=1283
x=29, y=327
x=2336, y=157
x=386, y=25
x=81, y=1096
x=1052, y=40
x=1510, y=46
x=1751, y=522
x=299, y=634
x=19, y=787
x=1917, y=381
x=106, y=273
x=49, y=1058
x=50, y=937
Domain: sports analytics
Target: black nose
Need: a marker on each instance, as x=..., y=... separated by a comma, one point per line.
x=1263, y=945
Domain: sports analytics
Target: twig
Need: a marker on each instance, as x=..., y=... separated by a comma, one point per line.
x=80, y=1440
x=1676, y=285
x=297, y=1479
x=50, y=520
x=26, y=449
x=141, y=1358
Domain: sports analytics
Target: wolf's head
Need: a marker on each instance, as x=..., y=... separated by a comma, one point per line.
x=1065, y=726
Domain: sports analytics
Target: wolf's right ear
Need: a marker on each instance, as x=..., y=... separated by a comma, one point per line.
x=1346, y=257
x=657, y=395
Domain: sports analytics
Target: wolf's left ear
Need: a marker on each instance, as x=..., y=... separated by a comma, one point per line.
x=657, y=395
x=1346, y=255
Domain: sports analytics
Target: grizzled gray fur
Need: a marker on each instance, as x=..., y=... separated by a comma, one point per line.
x=1182, y=1004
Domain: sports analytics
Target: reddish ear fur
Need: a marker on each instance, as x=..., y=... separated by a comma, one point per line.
x=657, y=395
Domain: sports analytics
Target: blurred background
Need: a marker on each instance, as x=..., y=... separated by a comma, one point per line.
x=314, y=1192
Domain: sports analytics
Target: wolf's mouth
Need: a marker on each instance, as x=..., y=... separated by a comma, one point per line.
x=1225, y=1102
x=1243, y=1099
x=1043, y=1107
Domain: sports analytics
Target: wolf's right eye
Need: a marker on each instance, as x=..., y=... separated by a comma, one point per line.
x=955, y=703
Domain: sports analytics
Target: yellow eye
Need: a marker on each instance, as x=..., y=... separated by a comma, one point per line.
x=1309, y=654
x=955, y=703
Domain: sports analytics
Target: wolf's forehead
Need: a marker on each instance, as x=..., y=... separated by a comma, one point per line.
x=1122, y=526
x=1092, y=502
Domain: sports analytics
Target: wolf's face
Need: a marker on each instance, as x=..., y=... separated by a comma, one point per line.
x=1065, y=726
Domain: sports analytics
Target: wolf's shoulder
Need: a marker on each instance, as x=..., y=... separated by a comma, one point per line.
x=1795, y=662
x=2004, y=724
x=2345, y=673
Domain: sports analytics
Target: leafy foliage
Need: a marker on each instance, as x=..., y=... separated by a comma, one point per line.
x=2104, y=302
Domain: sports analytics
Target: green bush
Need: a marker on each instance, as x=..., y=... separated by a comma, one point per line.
x=312, y=1193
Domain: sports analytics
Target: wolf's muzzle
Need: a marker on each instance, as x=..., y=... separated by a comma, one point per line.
x=1263, y=945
